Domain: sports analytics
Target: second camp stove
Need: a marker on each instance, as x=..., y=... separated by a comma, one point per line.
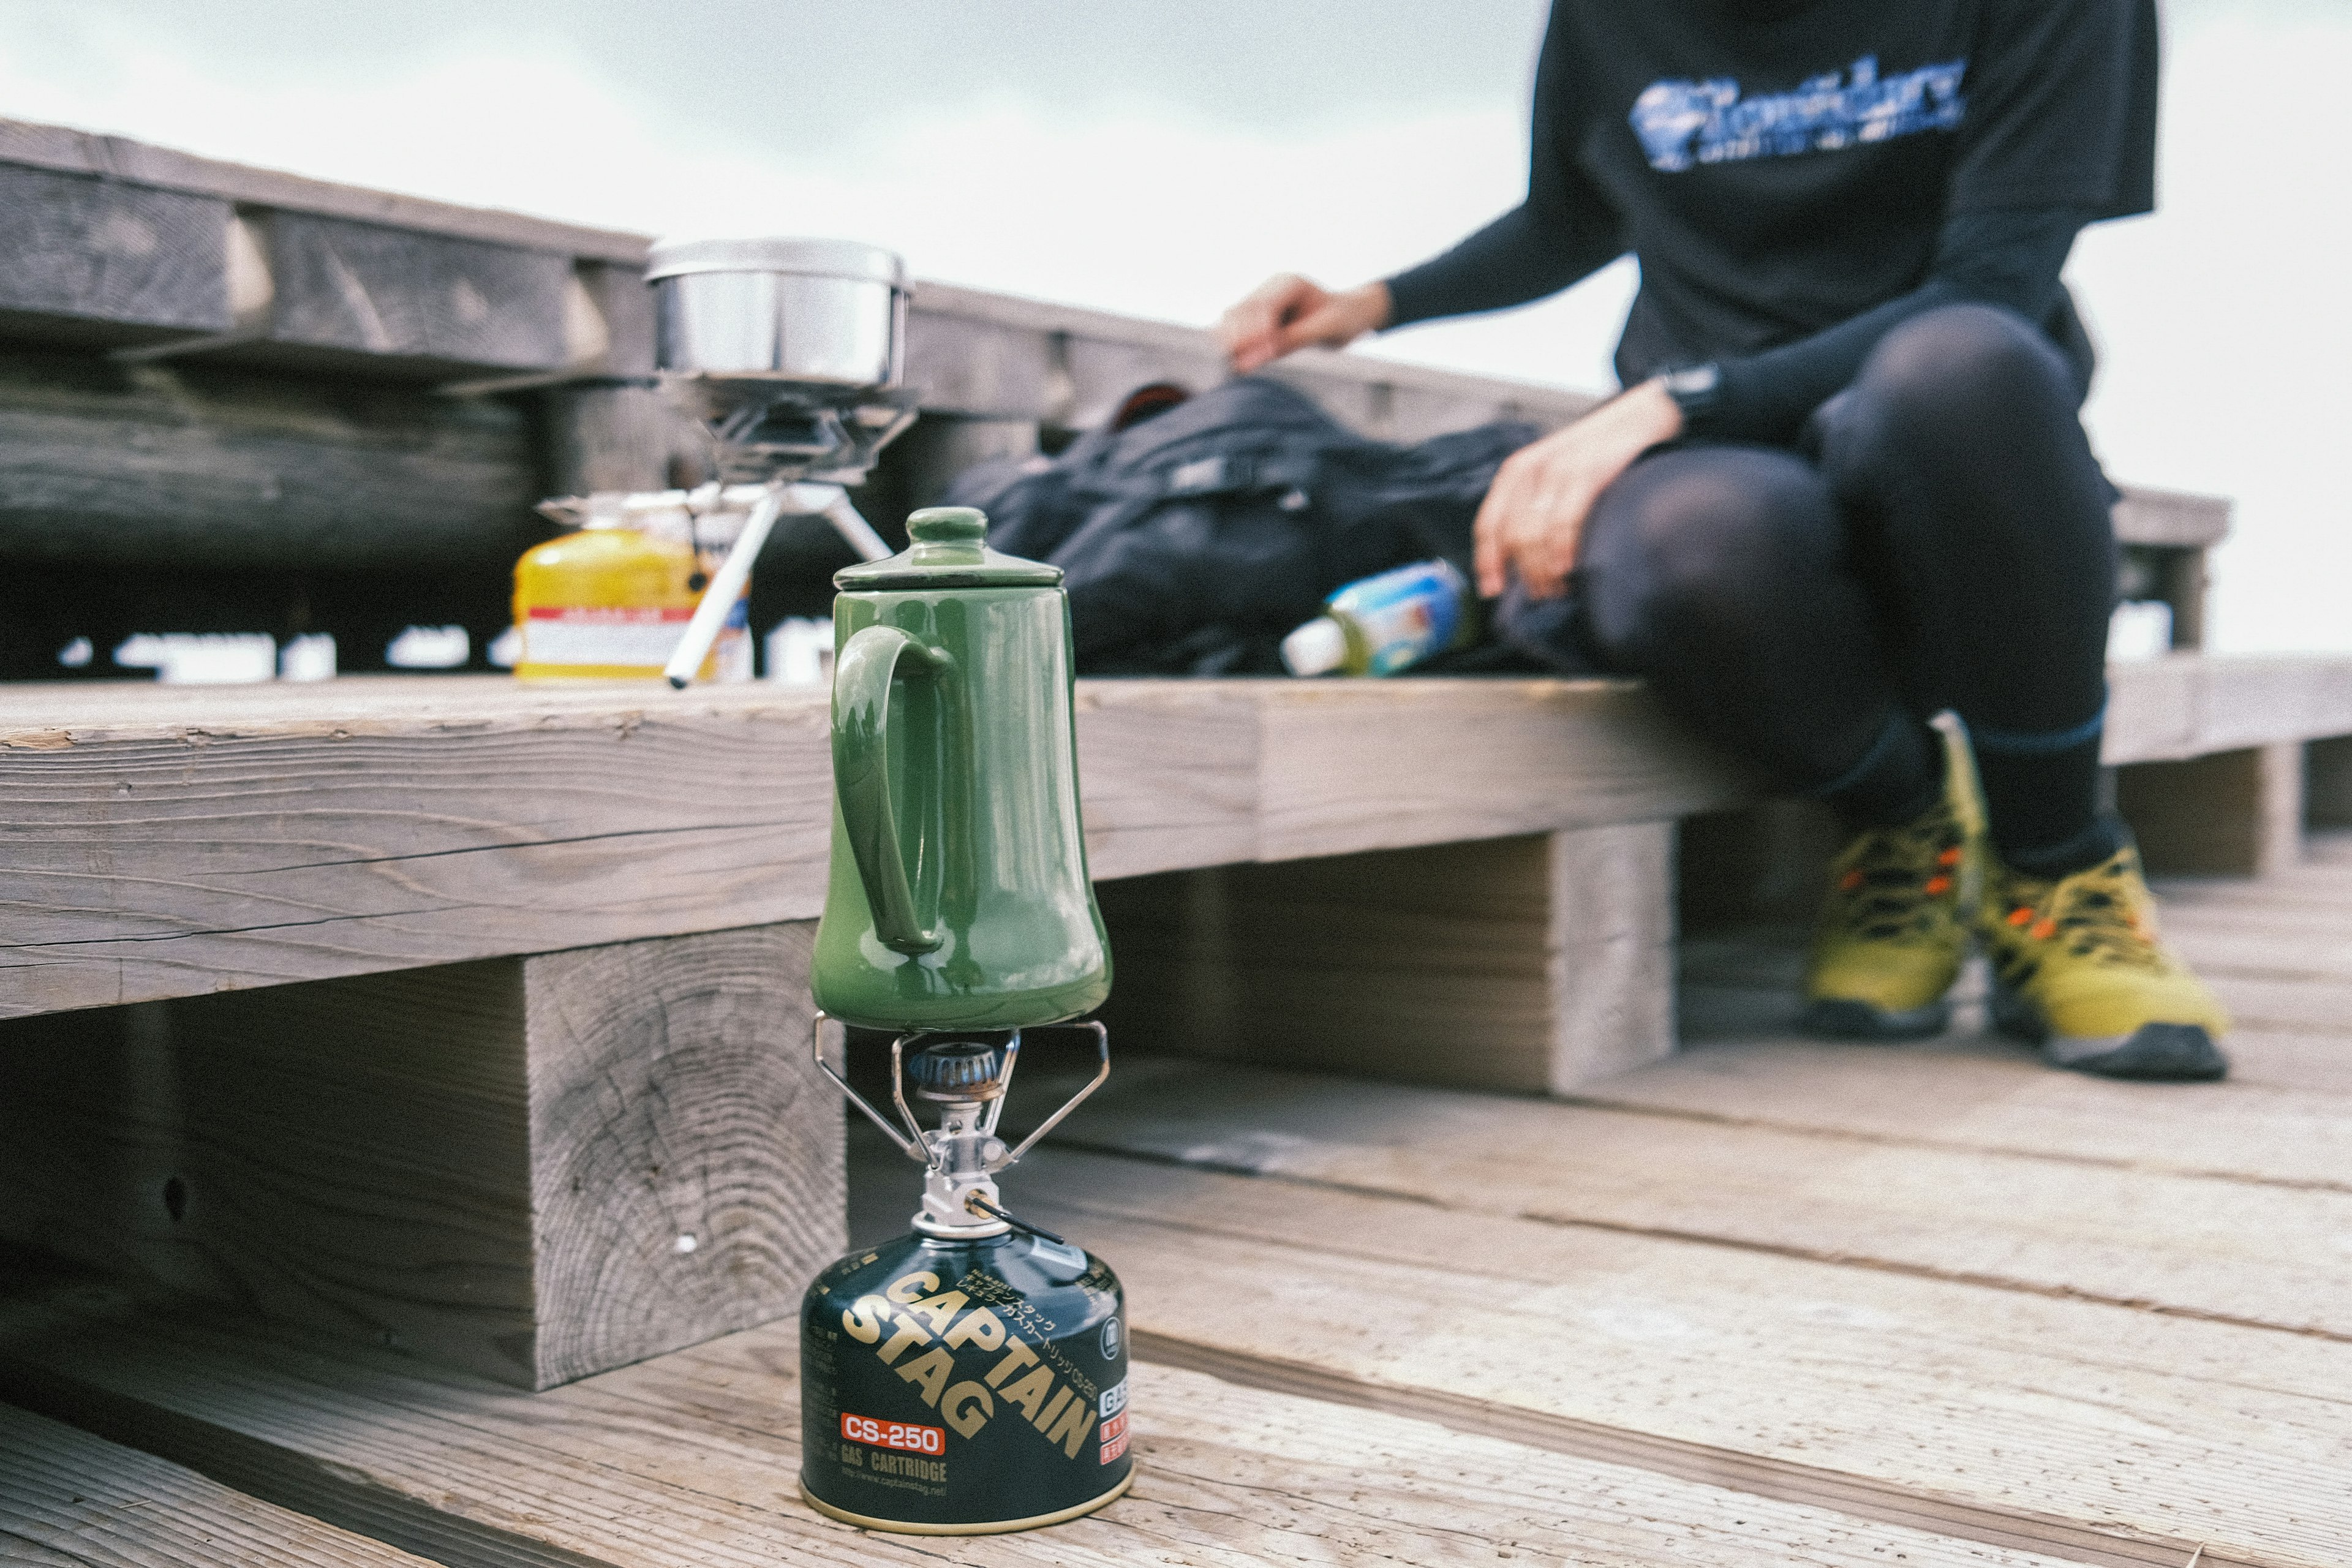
x=789, y=352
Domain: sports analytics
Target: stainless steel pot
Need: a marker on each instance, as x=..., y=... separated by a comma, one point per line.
x=826, y=311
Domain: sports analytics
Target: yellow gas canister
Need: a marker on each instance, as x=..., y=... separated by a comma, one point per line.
x=610, y=601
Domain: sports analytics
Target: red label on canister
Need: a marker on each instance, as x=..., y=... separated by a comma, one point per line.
x=1114, y=1437
x=904, y=1436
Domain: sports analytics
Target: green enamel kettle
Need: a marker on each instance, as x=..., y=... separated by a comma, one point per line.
x=958, y=897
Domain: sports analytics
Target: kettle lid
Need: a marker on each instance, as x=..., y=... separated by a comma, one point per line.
x=948, y=552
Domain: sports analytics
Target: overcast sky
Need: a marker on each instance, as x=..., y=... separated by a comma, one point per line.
x=1160, y=159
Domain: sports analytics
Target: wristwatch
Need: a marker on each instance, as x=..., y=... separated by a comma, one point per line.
x=1695, y=390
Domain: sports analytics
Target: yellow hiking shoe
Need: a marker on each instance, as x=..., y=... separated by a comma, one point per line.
x=2079, y=970
x=1895, y=927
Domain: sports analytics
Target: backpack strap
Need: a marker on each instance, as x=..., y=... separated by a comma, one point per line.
x=1239, y=473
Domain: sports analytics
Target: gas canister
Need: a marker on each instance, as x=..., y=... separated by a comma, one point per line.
x=958, y=1386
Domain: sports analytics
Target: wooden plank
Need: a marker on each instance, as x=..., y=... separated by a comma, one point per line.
x=534, y=1169
x=153, y=263
x=686, y=1156
x=979, y=368
x=625, y=310
x=2150, y=516
x=208, y=465
x=2328, y=782
x=1001, y=357
x=1103, y=369
x=1169, y=772
x=2155, y=708
x=2187, y=705
x=2186, y=582
x=442, y=304
x=2230, y=814
x=1354, y=963
x=2147, y=1426
x=689, y=1459
x=2223, y=1249
x=119, y=159
x=1610, y=951
x=325, y=847
x=71, y=1501
x=617, y=437
x=1531, y=963
x=1354, y=766
x=1971, y=1095
x=296, y=833
x=304, y=833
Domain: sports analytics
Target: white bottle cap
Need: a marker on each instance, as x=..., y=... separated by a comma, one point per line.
x=1319, y=647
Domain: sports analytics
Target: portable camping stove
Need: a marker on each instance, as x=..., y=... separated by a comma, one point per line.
x=789, y=353
x=968, y=1377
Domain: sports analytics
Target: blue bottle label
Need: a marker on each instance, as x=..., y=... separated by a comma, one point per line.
x=1406, y=615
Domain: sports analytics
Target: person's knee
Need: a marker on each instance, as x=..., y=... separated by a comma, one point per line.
x=1696, y=540
x=1958, y=362
x=1947, y=390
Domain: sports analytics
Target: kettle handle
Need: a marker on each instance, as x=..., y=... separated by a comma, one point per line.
x=869, y=661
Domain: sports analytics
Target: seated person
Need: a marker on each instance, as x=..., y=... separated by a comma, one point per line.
x=1846, y=487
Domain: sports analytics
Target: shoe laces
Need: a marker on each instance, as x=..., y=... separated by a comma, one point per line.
x=2101, y=914
x=1893, y=875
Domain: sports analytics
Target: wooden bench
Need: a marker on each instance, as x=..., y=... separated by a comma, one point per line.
x=469, y=1017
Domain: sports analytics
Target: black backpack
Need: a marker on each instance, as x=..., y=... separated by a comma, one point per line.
x=1193, y=540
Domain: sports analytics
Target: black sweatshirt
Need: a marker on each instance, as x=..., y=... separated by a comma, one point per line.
x=1799, y=176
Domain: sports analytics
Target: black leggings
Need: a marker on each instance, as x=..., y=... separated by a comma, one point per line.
x=1942, y=541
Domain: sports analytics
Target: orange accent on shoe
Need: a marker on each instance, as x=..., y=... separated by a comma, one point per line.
x=2020, y=917
x=1851, y=880
x=1951, y=856
x=2045, y=929
x=1938, y=884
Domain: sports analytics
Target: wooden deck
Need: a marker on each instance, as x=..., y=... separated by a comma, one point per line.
x=1768, y=1301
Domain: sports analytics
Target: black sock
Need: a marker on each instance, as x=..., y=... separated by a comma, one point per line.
x=2101, y=838
x=2043, y=804
x=1895, y=782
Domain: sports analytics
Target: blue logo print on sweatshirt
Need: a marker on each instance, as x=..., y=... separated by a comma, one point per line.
x=1686, y=123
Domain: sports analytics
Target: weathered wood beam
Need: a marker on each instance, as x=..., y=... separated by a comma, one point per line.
x=2237, y=814
x=119, y=159
x=1531, y=965
x=182, y=464
x=166, y=842
x=2328, y=782
x=71, y=1501
x=531, y=1168
x=349, y=293
x=141, y=263
x=2191, y=705
x=289, y=833
x=2170, y=518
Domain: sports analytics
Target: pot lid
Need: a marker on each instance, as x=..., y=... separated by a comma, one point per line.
x=948, y=552
x=812, y=258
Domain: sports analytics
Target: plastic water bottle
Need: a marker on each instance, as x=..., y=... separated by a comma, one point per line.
x=1385, y=625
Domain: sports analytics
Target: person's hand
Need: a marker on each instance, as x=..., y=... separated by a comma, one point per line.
x=1286, y=313
x=1534, y=514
